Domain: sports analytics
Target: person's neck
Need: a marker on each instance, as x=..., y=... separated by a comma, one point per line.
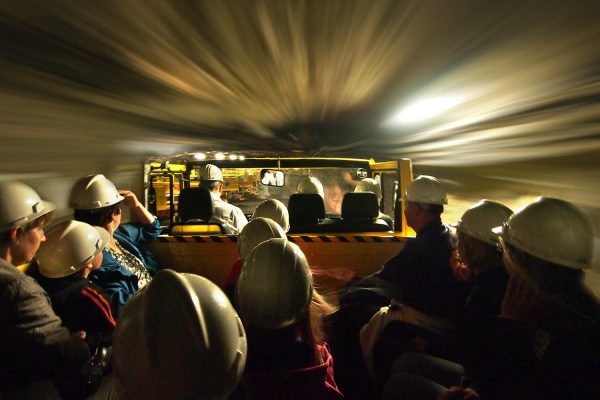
x=5, y=253
x=112, y=242
x=422, y=224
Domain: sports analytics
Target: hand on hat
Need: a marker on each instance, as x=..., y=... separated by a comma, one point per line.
x=130, y=199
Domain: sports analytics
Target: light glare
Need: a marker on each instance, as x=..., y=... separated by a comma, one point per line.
x=423, y=110
x=220, y=156
x=200, y=156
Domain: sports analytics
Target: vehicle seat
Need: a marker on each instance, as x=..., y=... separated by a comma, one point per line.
x=360, y=214
x=306, y=210
x=195, y=211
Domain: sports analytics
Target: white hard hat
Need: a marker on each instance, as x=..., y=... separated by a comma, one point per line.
x=93, y=191
x=553, y=230
x=479, y=220
x=69, y=247
x=369, y=185
x=426, y=190
x=178, y=338
x=276, y=210
x=275, y=287
x=310, y=184
x=211, y=173
x=20, y=204
x=257, y=231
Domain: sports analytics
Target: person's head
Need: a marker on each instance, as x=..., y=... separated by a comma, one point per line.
x=424, y=201
x=178, y=338
x=369, y=185
x=275, y=210
x=477, y=243
x=96, y=201
x=257, y=231
x=275, y=295
x=549, y=243
x=23, y=215
x=72, y=247
x=211, y=178
x=310, y=184
x=275, y=287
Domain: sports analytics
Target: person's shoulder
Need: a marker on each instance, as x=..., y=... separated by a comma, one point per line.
x=15, y=284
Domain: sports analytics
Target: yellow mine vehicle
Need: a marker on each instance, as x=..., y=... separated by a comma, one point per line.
x=337, y=250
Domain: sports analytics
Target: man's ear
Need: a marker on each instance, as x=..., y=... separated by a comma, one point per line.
x=16, y=234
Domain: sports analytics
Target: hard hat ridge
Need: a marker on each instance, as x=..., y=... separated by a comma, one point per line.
x=310, y=184
x=426, y=190
x=178, y=338
x=275, y=287
x=20, y=204
x=276, y=210
x=481, y=218
x=369, y=185
x=69, y=248
x=255, y=232
x=211, y=173
x=552, y=230
x=93, y=191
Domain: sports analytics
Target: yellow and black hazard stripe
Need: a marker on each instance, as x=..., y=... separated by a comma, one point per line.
x=198, y=239
x=291, y=238
x=344, y=238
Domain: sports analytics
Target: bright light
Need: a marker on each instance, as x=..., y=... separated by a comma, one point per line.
x=200, y=156
x=242, y=158
x=423, y=110
x=220, y=156
x=232, y=157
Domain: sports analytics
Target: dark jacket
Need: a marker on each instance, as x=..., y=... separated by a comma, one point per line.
x=82, y=306
x=37, y=352
x=477, y=328
x=422, y=273
x=555, y=358
x=116, y=280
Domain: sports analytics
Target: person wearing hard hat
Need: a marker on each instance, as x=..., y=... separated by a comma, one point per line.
x=473, y=345
x=282, y=312
x=40, y=357
x=71, y=252
x=549, y=322
x=547, y=334
x=126, y=265
x=275, y=210
x=231, y=217
x=255, y=232
x=373, y=186
x=310, y=184
x=478, y=249
x=178, y=338
x=420, y=275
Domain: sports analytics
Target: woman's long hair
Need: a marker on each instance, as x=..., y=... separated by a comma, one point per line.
x=556, y=284
x=292, y=347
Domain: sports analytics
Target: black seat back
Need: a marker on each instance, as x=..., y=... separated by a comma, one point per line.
x=306, y=209
x=360, y=214
x=195, y=203
x=195, y=211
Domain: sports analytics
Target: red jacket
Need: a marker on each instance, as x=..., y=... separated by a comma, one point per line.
x=312, y=383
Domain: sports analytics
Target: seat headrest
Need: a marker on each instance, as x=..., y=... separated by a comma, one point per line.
x=305, y=208
x=359, y=206
x=195, y=203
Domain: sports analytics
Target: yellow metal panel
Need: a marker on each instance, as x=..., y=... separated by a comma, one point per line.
x=334, y=259
x=195, y=229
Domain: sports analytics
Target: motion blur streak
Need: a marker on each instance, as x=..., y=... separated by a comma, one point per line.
x=99, y=85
